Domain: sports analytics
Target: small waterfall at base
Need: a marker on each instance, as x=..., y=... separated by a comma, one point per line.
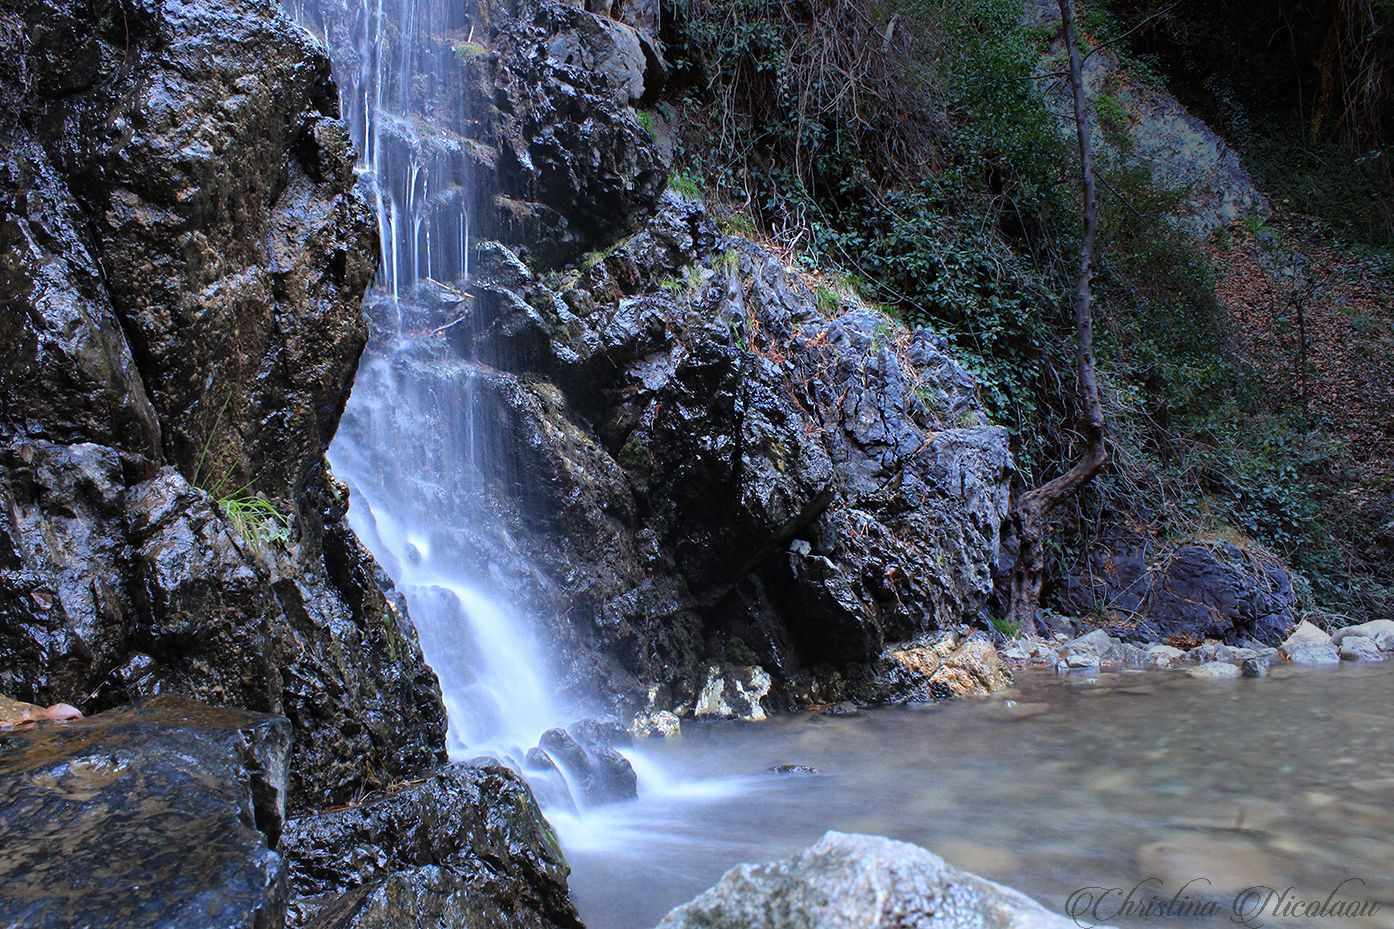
x=416, y=445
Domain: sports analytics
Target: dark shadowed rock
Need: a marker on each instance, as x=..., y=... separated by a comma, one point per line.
x=859, y=882
x=575, y=168
x=466, y=847
x=162, y=816
x=1198, y=591
x=586, y=753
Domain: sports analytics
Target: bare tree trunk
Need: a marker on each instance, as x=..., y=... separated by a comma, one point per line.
x=1032, y=507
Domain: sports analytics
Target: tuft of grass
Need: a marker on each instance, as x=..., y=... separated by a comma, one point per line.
x=827, y=300
x=647, y=123
x=468, y=51
x=256, y=519
x=685, y=184
x=1007, y=627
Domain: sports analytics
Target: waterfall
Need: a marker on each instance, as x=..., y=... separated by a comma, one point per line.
x=414, y=445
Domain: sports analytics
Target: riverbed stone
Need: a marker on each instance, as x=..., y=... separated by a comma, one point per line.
x=593, y=765
x=1309, y=645
x=1162, y=656
x=1214, y=671
x=1257, y=666
x=859, y=882
x=1360, y=648
x=660, y=724
x=1380, y=631
x=166, y=815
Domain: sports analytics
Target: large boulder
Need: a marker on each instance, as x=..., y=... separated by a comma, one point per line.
x=1146, y=127
x=166, y=816
x=1187, y=592
x=185, y=259
x=860, y=882
x=465, y=847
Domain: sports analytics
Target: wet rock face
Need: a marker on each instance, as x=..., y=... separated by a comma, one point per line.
x=184, y=260
x=859, y=882
x=466, y=847
x=588, y=754
x=726, y=496
x=1192, y=592
x=162, y=816
x=575, y=169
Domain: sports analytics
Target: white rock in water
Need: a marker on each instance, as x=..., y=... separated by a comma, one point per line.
x=1381, y=631
x=1360, y=648
x=1309, y=645
x=733, y=693
x=860, y=882
x=1214, y=670
x=660, y=723
x=1162, y=656
x=1306, y=634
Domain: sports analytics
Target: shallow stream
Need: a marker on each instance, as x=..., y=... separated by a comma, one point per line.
x=1067, y=783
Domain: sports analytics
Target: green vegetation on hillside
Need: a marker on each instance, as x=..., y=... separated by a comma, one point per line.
x=905, y=145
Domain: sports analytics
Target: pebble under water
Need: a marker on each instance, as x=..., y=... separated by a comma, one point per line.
x=1063, y=783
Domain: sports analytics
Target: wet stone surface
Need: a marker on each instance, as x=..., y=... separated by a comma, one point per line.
x=163, y=815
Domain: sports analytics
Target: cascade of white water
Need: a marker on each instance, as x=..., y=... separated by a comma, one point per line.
x=414, y=444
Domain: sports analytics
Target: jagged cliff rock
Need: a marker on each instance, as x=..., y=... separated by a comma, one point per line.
x=709, y=478
x=184, y=261
x=466, y=847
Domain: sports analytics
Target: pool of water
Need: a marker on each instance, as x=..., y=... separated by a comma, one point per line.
x=1286, y=781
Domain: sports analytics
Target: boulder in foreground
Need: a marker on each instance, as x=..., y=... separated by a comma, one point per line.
x=163, y=815
x=860, y=882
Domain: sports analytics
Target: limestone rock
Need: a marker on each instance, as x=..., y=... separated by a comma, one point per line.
x=1309, y=645
x=1214, y=671
x=1360, y=648
x=732, y=693
x=1380, y=631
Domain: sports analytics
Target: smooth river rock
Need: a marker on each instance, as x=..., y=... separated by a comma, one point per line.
x=1381, y=631
x=860, y=882
x=165, y=815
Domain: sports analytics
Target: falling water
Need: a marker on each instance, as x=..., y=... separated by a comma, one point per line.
x=415, y=444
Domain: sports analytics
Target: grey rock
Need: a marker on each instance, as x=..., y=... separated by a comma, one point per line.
x=1197, y=591
x=1256, y=667
x=172, y=809
x=859, y=882
x=189, y=254
x=1380, y=631
x=1162, y=656
x=800, y=770
x=1309, y=645
x=599, y=773
x=1180, y=151
x=1214, y=671
x=605, y=48
x=1360, y=648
